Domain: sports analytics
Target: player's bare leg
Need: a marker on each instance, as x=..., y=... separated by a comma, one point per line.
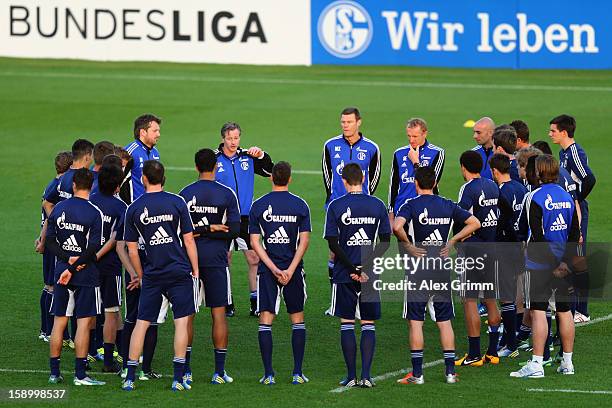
x=252, y=262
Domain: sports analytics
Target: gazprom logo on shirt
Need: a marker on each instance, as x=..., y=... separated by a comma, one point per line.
x=425, y=220
x=340, y=167
x=345, y=29
x=348, y=220
x=486, y=202
x=551, y=205
x=269, y=217
x=515, y=206
x=200, y=209
x=62, y=224
x=406, y=179
x=145, y=219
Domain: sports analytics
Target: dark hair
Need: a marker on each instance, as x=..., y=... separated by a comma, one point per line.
x=530, y=171
x=547, y=168
x=83, y=179
x=521, y=129
x=353, y=174
x=81, y=148
x=122, y=153
x=110, y=177
x=112, y=159
x=205, y=160
x=229, y=126
x=143, y=122
x=153, y=170
x=63, y=161
x=351, y=110
x=500, y=162
x=472, y=161
x=543, y=146
x=101, y=150
x=565, y=122
x=505, y=137
x=425, y=177
x=281, y=172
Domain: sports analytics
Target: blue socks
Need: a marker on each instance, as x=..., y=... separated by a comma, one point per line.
x=349, y=348
x=417, y=362
x=79, y=367
x=508, y=313
x=298, y=344
x=54, y=365
x=449, y=361
x=367, y=346
x=265, y=347
x=549, y=336
x=220, y=361
x=179, y=368
x=474, y=346
x=150, y=343
x=188, y=359
x=109, y=348
x=493, y=340
x=132, y=365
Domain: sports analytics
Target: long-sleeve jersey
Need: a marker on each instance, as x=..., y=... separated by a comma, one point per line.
x=337, y=153
x=575, y=161
x=140, y=153
x=401, y=185
x=553, y=222
x=238, y=173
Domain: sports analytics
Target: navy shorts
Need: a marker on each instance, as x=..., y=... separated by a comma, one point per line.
x=243, y=241
x=215, y=286
x=269, y=293
x=48, y=267
x=182, y=291
x=510, y=265
x=110, y=287
x=132, y=297
x=347, y=303
x=483, y=271
x=541, y=285
x=441, y=306
x=77, y=301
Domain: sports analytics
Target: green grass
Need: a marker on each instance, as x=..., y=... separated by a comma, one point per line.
x=290, y=112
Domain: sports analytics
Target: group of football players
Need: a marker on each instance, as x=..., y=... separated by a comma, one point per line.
x=108, y=228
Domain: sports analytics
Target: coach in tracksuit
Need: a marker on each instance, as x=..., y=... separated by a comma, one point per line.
x=236, y=169
x=349, y=147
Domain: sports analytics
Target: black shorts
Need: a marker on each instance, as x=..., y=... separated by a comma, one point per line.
x=243, y=241
x=347, y=302
x=111, y=290
x=479, y=280
x=541, y=285
x=510, y=264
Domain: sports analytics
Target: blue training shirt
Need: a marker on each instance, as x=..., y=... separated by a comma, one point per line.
x=140, y=153
x=356, y=219
x=113, y=216
x=486, y=155
x=210, y=202
x=402, y=186
x=279, y=217
x=575, y=161
x=76, y=225
x=479, y=196
x=337, y=153
x=160, y=219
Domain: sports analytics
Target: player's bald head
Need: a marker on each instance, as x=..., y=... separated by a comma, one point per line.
x=486, y=122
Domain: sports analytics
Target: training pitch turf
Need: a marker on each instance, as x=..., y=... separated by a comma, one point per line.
x=289, y=112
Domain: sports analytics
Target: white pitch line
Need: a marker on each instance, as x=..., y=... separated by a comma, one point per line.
x=568, y=391
x=313, y=172
x=24, y=371
x=330, y=82
x=391, y=374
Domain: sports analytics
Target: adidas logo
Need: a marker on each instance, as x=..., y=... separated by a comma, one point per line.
x=160, y=237
x=559, y=224
x=278, y=237
x=203, y=222
x=360, y=238
x=337, y=156
x=71, y=244
x=434, y=239
x=491, y=220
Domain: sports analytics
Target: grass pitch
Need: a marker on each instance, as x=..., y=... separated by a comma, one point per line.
x=290, y=112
